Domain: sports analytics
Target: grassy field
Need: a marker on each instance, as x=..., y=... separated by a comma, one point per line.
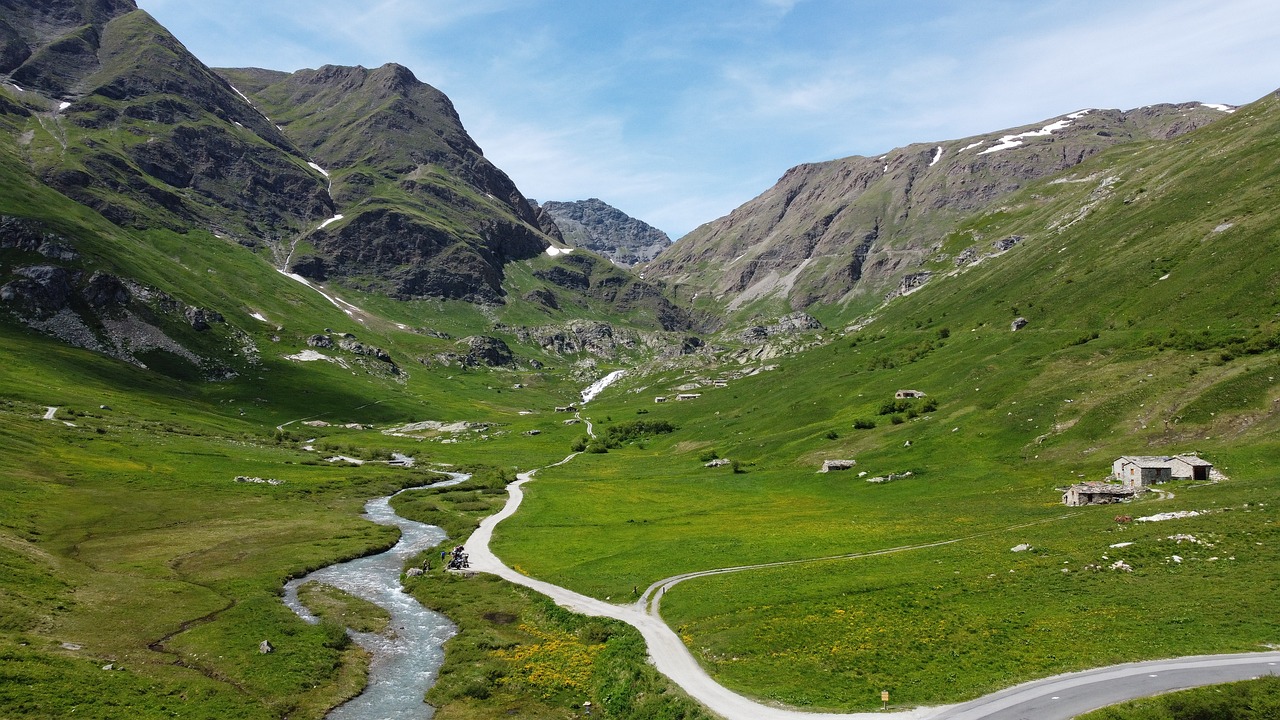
x=126, y=541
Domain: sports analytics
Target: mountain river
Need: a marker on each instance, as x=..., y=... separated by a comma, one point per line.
x=406, y=659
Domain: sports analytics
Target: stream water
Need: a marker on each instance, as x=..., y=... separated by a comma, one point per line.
x=598, y=386
x=406, y=659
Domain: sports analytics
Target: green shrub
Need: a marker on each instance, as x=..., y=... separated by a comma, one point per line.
x=864, y=424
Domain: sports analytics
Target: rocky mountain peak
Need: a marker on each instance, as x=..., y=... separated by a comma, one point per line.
x=597, y=226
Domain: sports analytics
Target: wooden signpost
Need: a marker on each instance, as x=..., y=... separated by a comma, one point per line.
x=884, y=699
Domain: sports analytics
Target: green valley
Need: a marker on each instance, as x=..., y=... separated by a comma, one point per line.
x=213, y=353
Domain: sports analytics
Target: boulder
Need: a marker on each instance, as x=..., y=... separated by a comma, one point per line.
x=1018, y=324
x=320, y=341
x=265, y=647
x=490, y=351
x=105, y=290
x=200, y=318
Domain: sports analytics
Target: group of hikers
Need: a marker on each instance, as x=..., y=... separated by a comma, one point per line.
x=457, y=558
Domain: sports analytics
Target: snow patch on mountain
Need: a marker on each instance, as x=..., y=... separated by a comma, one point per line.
x=1008, y=142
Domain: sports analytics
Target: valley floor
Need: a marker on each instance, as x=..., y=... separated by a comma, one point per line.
x=1055, y=698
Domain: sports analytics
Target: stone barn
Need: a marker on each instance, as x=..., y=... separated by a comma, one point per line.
x=1096, y=493
x=1190, y=467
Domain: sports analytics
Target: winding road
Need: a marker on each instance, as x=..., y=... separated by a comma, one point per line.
x=1056, y=698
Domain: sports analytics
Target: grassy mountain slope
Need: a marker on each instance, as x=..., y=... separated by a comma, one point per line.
x=425, y=214
x=845, y=231
x=1148, y=278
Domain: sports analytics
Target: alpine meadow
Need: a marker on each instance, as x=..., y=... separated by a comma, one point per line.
x=934, y=423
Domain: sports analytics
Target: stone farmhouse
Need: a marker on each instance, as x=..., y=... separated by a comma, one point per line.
x=1144, y=470
x=1133, y=474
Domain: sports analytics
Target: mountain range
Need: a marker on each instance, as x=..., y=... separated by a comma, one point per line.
x=228, y=295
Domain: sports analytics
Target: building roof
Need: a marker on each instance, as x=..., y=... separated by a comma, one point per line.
x=1102, y=488
x=1147, y=461
x=1161, y=461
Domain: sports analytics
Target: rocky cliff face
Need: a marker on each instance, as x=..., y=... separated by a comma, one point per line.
x=424, y=214
x=601, y=228
x=849, y=228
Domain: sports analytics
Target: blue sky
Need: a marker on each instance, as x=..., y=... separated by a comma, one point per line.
x=679, y=111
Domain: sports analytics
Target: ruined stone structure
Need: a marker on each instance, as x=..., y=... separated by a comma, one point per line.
x=830, y=465
x=1097, y=493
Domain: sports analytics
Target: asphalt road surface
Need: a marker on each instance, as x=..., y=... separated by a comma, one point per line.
x=1066, y=696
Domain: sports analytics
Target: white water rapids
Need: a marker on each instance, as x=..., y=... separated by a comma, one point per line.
x=598, y=386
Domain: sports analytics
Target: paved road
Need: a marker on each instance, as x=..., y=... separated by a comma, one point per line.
x=1065, y=696
x=1055, y=698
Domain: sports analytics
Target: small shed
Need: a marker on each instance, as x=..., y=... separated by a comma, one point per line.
x=1096, y=493
x=688, y=396
x=660, y=399
x=908, y=394
x=1190, y=467
x=1142, y=470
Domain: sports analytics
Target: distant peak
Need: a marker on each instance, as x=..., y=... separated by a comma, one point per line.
x=396, y=74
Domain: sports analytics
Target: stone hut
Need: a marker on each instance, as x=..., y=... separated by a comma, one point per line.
x=908, y=394
x=831, y=465
x=1097, y=493
x=1144, y=470
x=1190, y=467
x=688, y=396
x=660, y=399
